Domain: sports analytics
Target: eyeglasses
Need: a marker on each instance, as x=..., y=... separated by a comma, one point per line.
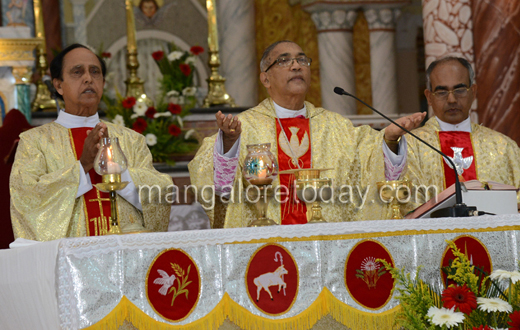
x=457, y=92
x=288, y=61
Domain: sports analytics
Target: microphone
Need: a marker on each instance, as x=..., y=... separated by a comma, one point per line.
x=47, y=81
x=459, y=209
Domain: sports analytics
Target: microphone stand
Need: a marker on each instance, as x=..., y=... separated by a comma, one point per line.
x=459, y=209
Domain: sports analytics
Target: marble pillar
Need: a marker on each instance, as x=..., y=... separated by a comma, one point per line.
x=497, y=64
x=80, y=21
x=381, y=25
x=336, y=58
x=239, y=65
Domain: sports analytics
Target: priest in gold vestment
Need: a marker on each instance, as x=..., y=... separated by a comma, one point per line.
x=51, y=183
x=478, y=152
x=301, y=135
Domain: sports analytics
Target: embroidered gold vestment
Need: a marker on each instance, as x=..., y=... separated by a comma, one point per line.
x=45, y=178
x=497, y=157
x=354, y=153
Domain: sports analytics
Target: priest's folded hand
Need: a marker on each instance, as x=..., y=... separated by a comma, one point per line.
x=230, y=127
x=92, y=145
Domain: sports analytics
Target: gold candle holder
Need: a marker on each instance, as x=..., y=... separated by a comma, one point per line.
x=313, y=190
x=217, y=94
x=43, y=100
x=260, y=169
x=394, y=192
x=134, y=84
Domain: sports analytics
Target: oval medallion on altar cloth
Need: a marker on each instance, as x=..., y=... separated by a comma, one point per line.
x=173, y=285
x=367, y=281
x=476, y=252
x=272, y=279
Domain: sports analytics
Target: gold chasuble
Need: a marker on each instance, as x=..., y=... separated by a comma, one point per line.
x=45, y=178
x=483, y=154
x=354, y=153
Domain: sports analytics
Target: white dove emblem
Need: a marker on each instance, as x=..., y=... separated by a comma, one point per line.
x=166, y=281
x=294, y=145
x=460, y=163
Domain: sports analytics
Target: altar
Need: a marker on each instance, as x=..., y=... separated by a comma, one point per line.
x=198, y=279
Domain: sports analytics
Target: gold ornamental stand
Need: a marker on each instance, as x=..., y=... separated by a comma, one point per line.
x=134, y=84
x=43, y=100
x=265, y=195
x=217, y=94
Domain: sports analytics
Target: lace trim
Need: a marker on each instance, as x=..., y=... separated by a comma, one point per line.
x=224, y=170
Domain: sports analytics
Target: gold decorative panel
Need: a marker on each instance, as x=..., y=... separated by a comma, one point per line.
x=361, y=40
x=278, y=20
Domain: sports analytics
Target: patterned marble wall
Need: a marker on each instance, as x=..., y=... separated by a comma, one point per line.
x=497, y=54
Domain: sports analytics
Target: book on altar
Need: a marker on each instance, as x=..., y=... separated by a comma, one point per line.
x=490, y=197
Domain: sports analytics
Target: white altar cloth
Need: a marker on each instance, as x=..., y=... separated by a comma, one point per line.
x=74, y=283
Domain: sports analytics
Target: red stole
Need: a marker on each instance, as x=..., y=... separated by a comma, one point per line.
x=297, y=130
x=459, y=147
x=97, y=203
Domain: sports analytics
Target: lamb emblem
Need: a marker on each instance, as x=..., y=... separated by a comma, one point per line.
x=266, y=280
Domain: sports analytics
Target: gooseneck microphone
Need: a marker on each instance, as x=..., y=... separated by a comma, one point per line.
x=459, y=209
x=47, y=81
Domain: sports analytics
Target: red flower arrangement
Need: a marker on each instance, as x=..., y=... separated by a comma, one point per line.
x=175, y=109
x=174, y=130
x=129, y=102
x=196, y=50
x=140, y=125
x=459, y=297
x=158, y=55
x=515, y=321
x=150, y=112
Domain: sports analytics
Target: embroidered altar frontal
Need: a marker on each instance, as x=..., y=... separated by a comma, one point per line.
x=281, y=277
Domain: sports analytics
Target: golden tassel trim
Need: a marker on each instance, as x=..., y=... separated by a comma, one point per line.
x=324, y=304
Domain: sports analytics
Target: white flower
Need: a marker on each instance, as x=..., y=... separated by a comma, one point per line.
x=189, y=133
x=189, y=91
x=140, y=108
x=505, y=275
x=181, y=123
x=172, y=93
x=151, y=139
x=444, y=316
x=191, y=60
x=493, y=305
x=162, y=114
x=118, y=120
x=175, y=55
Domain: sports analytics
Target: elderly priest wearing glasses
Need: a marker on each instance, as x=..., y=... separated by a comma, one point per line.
x=301, y=135
x=51, y=183
x=478, y=152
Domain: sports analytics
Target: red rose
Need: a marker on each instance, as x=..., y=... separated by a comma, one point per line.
x=196, y=50
x=175, y=109
x=106, y=55
x=185, y=69
x=150, y=112
x=158, y=55
x=515, y=320
x=129, y=102
x=140, y=125
x=174, y=130
x=459, y=297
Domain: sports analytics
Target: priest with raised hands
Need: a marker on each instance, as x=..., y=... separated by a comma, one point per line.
x=478, y=152
x=52, y=179
x=301, y=136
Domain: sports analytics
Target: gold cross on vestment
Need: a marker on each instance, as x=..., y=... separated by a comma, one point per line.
x=100, y=222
